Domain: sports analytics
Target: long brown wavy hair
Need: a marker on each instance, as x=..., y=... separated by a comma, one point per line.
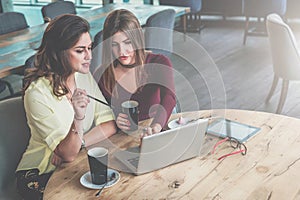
x=124, y=21
x=52, y=59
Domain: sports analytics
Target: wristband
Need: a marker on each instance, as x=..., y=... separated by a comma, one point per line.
x=82, y=143
x=80, y=137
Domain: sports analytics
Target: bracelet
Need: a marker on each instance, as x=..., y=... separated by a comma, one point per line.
x=79, y=119
x=81, y=138
x=82, y=143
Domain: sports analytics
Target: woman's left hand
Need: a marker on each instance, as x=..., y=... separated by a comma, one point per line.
x=154, y=128
x=56, y=160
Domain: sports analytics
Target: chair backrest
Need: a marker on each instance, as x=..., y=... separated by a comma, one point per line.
x=259, y=8
x=159, y=32
x=57, y=8
x=4, y=84
x=14, y=140
x=284, y=49
x=29, y=63
x=97, y=39
x=106, y=2
x=96, y=55
x=195, y=5
x=148, y=2
x=12, y=21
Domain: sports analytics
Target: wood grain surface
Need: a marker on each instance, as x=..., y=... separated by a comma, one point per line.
x=270, y=170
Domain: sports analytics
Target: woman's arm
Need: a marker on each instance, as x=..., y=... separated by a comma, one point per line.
x=164, y=111
x=163, y=75
x=69, y=147
x=100, y=132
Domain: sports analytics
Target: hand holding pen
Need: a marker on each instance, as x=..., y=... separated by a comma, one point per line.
x=80, y=102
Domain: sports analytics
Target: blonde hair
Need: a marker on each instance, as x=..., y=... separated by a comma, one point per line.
x=124, y=21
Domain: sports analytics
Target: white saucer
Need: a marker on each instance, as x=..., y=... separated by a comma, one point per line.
x=173, y=124
x=86, y=180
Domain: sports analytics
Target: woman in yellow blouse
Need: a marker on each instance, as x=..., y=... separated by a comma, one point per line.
x=59, y=113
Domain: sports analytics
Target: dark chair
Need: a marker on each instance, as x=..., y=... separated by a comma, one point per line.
x=12, y=86
x=148, y=2
x=159, y=36
x=97, y=39
x=159, y=32
x=12, y=21
x=29, y=63
x=106, y=2
x=224, y=8
x=6, y=85
x=96, y=55
x=2, y=85
x=190, y=22
x=14, y=140
x=260, y=9
x=57, y=8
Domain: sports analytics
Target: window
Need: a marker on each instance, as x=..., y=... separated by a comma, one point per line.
x=76, y=2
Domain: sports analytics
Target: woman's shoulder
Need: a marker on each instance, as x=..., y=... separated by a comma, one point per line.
x=158, y=58
x=41, y=83
x=39, y=89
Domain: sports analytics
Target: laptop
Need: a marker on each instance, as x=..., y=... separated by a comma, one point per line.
x=165, y=148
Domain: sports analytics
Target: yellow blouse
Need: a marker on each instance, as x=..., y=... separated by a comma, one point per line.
x=50, y=119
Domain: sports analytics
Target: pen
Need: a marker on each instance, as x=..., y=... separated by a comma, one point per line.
x=99, y=100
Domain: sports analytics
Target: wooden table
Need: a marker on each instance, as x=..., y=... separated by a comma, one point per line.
x=16, y=47
x=270, y=170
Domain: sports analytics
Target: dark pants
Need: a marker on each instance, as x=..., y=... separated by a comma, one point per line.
x=30, y=184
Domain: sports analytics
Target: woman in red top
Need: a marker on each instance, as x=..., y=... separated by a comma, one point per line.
x=132, y=73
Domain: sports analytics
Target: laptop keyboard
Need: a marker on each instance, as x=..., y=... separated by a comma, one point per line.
x=134, y=161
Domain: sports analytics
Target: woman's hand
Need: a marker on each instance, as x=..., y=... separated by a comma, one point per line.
x=80, y=101
x=56, y=160
x=122, y=122
x=154, y=128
